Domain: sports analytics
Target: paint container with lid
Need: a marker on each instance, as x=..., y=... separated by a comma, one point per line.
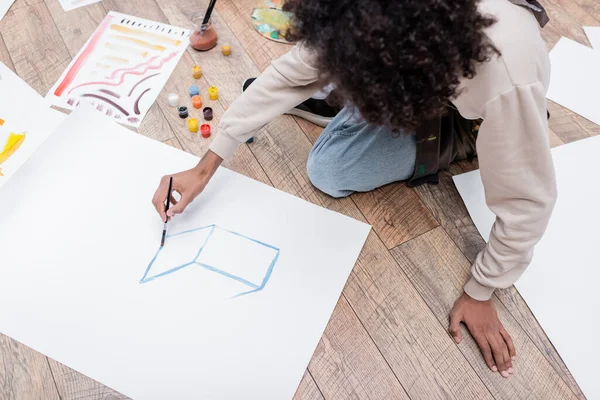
x=173, y=100
x=183, y=112
x=196, y=72
x=213, y=93
x=194, y=91
x=193, y=125
x=208, y=113
x=205, y=131
x=197, y=101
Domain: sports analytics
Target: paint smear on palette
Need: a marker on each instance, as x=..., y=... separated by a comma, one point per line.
x=270, y=20
x=122, y=68
x=13, y=143
x=69, y=5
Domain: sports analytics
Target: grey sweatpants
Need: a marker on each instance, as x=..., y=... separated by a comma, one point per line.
x=352, y=155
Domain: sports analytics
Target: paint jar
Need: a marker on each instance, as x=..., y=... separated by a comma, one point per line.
x=194, y=91
x=183, y=112
x=193, y=125
x=197, y=101
x=173, y=100
x=197, y=72
x=226, y=50
x=213, y=93
x=208, y=113
x=203, y=37
x=205, y=131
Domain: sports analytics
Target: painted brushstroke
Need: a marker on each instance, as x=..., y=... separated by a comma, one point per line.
x=116, y=71
x=13, y=143
x=125, y=49
x=142, y=80
x=139, y=42
x=110, y=93
x=122, y=79
x=109, y=101
x=254, y=287
x=118, y=60
x=136, y=108
x=144, y=34
x=76, y=67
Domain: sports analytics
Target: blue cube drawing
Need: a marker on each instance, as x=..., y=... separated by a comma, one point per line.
x=227, y=253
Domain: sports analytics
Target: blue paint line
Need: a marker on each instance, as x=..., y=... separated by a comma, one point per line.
x=252, y=240
x=150, y=265
x=193, y=230
x=265, y=280
x=204, y=244
x=228, y=275
x=167, y=272
x=213, y=269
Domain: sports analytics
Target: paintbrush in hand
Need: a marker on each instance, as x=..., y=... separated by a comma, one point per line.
x=164, y=233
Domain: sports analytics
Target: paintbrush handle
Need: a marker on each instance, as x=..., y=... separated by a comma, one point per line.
x=209, y=11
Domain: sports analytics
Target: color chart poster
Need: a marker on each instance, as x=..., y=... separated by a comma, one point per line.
x=122, y=68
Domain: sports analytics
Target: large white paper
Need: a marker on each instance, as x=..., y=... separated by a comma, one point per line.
x=4, y=7
x=575, y=82
x=69, y=5
x=122, y=68
x=78, y=234
x=560, y=285
x=26, y=120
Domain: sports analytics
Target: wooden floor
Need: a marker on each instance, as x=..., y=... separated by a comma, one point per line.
x=387, y=337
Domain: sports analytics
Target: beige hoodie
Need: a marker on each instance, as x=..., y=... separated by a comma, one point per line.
x=508, y=93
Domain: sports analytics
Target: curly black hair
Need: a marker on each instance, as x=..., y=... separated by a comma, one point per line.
x=398, y=61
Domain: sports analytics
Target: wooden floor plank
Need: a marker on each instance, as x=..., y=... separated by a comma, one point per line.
x=448, y=208
x=36, y=47
x=438, y=270
x=396, y=213
x=4, y=55
x=75, y=386
x=24, y=373
x=308, y=389
x=348, y=365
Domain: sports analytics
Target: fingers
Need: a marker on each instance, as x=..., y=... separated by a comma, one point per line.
x=454, y=327
x=500, y=352
x=173, y=201
x=486, y=351
x=180, y=206
x=511, y=347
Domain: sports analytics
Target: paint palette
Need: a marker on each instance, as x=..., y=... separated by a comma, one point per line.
x=122, y=68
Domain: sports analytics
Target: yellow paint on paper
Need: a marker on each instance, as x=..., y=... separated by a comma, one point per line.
x=1, y=122
x=140, y=42
x=148, y=35
x=13, y=143
x=118, y=60
x=125, y=49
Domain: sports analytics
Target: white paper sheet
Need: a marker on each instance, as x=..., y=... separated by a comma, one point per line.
x=78, y=232
x=69, y=5
x=122, y=68
x=4, y=7
x=560, y=285
x=575, y=81
x=24, y=113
